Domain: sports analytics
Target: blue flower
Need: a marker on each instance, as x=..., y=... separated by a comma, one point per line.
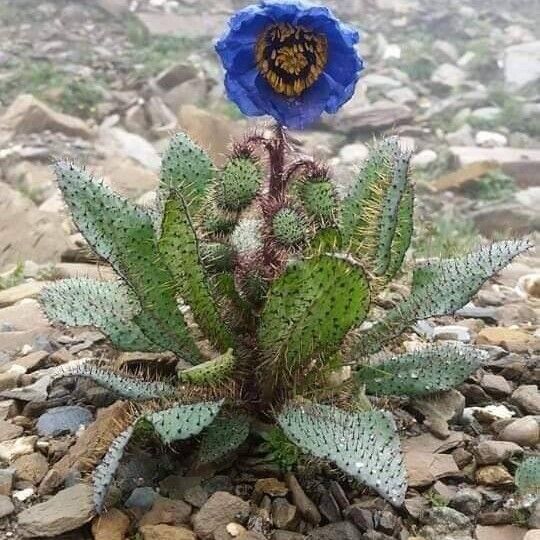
x=290, y=60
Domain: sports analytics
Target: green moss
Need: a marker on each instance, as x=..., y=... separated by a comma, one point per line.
x=80, y=97
x=493, y=186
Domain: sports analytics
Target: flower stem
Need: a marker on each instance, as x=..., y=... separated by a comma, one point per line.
x=278, y=180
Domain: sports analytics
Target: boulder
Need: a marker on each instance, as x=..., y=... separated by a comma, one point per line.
x=527, y=398
x=26, y=232
x=493, y=452
x=69, y=509
x=521, y=64
x=29, y=115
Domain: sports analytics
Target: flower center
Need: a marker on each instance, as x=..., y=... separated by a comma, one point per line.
x=291, y=58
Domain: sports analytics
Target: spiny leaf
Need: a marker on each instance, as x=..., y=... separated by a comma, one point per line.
x=222, y=436
x=311, y=307
x=440, y=288
x=104, y=473
x=238, y=184
x=186, y=168
x=179, y=249
x=123, y=234
x=122, y=385
x=435, y=368
x=183, y=421
x=319, y=200
x=528, y=476
x=212, y=372
x=377, y=210
x=107, y=305
x=363, y=444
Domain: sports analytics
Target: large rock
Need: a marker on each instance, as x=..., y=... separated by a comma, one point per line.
x=343, y=530
x=521, y=163
x=9, y=431
x=28, y=289
x=10, y=450
x=29, y=115
x=507, y=217
x=511, y=339
x=448, y=76
x=166, y=532
x=214, y=132
x=161, y=23
x=69, y=509
x=220, y=509
x=6, y=506
x=500, y=532
x=521, y=64
x=61, y=420
x=26, y=232
x=113, y=525
x=523, y=431
x=424, y=468
x=31, y=467
x=493, y=452
x=527, y=397
x=445, y=523
x=380, y=115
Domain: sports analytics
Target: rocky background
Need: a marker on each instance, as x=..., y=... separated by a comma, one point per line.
x=105, y=82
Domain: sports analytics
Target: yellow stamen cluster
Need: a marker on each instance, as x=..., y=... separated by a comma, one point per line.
x=291, y=58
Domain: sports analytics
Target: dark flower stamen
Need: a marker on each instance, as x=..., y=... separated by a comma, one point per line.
x=291, y=58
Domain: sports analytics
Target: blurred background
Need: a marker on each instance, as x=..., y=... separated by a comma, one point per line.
x=105, y=82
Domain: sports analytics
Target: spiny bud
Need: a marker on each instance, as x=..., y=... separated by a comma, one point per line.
x=216, y=256
x=238, y=184
x=288, y=226
x=318, y=198
x=217, y=221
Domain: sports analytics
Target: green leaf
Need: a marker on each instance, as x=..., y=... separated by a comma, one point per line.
x=186, y=168
x=183, y=421
x=377, y=214
x=209, y=373
x=107, y=305
x=121, y=384
x=123, y=234
x=222, y=436
x=179, y=249
x=435, y=368
x=105, y=471
x=363, y=444
x=528, y=476
x=311, y=307
x=440, y=288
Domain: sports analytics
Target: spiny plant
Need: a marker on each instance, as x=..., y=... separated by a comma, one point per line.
x=280, y=301
x=262, y=280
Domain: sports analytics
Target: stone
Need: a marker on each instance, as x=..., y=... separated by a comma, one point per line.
x=29, y=289
x=141, y=498
x=272, y=487
x=126, y=176
x=69, y=509
x=88, y=445
x=211, y=130
x=521, y=64
x=530, y=283
x=444, y=523
x=457, y=180
x=521, y=163
x=468, y=501
x=166, y=532
x=32, y=361
x=354, y=154
x=424, y=159
x=6, y=506
x=493, y=452
x=287, y=535
x=513, y=218
x=448, y=76
x=11, y=450
x=6, y=481
x=527, y=398
x=305, y=505
x=113, y=525
x=9, y=431
x=532, y=535
x=168, y=511
x=504, y=532
x=439, y=409
x=511, y=339
x=343, y=530
x=32, y=392
x=61, y=420
x=188, y=25
x=29, y=115
x=220, y=509
x=116, y=8
x=496, y=385
x=379, y=115
x=174, y=75
x=523, y=431
x=116, y=140
x=26, y=232
x=284, y=514
x=493, y=475
x=453, y=332
x=461, y=137
x=361, y=517
x=403, y=95
x=490, y=139
x=31, y=467
x=424, y=468
x=329, y=508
